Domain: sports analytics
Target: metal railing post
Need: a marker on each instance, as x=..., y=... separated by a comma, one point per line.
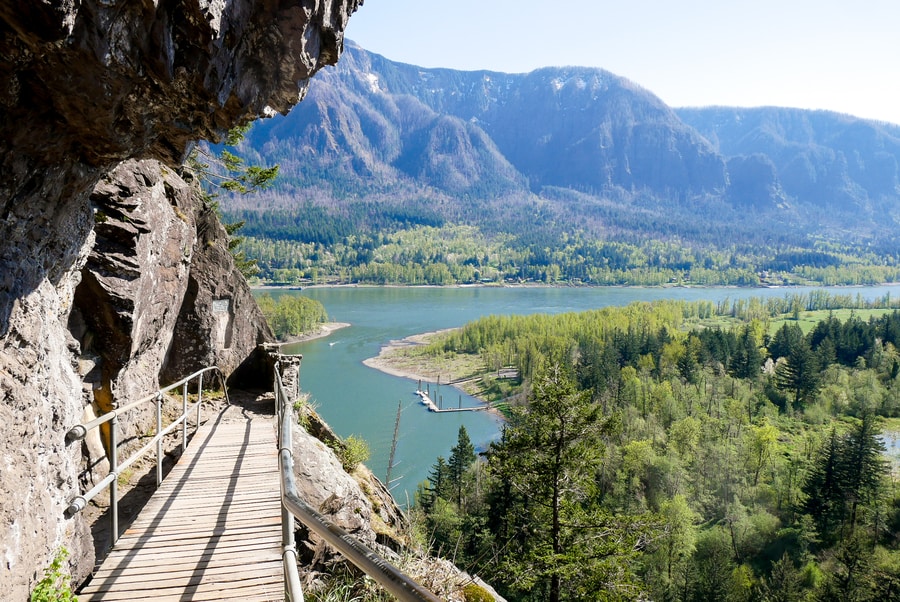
x=114, y=484
x=200, y=397
x=384, y=573
x=184, y=400
x=80, y=431
x=159, y=443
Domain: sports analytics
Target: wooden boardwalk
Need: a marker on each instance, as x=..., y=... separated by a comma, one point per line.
x=212, y=531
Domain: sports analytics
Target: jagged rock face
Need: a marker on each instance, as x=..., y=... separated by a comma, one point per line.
x=159, y=292
x=324, y=484
x=83, y=86
x=219, y=322
x=137, y=270
x=40, y=397
x=87, y=84
x=358, y=505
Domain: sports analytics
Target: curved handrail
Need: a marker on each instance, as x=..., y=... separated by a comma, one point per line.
x=387, y=575
x=80, y=431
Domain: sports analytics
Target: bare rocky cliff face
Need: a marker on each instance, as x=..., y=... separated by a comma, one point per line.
x=102, y=265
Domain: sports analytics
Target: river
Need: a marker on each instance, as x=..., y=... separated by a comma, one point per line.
x=357, y=400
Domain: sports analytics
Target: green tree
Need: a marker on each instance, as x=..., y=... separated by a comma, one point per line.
x=438, y=483
x=823, y=490
x=783, y=584
x=761, y=445
x=711, y=568
x=850, y=576
x=847, y=475
x=747, y=359
x=786, y=338
x=676, y=542
x=228, y=171
x=546, y=460
x=798, y=372
x=863, y=466
x=462, y=456
x=291, y=315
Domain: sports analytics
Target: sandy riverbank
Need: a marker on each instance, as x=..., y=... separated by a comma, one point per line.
x=429, y=369
x=322, y=331
x=391, y=362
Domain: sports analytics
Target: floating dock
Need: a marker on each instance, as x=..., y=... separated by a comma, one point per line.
x=432, y=407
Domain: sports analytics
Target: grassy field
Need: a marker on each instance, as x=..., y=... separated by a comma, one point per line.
x=809, y=319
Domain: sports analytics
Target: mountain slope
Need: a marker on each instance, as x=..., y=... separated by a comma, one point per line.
x=380, y=146
x=821, y=159
x=487, y=133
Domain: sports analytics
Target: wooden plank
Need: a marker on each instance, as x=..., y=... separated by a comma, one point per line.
x=212, y=531
x=237, y=500
x=185, y=537
x=187, y=497
x=195, y=545
x=257, y=589
x=185, y=578
x=188, y=514
x=157, y=556
x=232, y=519
x=150, y=560
x=168, y=556
x=206, y=521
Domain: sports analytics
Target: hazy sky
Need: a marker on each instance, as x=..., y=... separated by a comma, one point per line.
x=841, y=55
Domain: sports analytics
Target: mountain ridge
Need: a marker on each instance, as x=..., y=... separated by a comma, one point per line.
x=588, y=150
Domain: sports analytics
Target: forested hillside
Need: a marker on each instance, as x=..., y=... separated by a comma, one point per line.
x=563, y=174
x=682, y=451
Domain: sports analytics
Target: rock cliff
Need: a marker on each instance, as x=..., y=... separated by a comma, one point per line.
x=103, y=264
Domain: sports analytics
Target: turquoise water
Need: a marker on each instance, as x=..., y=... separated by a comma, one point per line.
x=357, y=400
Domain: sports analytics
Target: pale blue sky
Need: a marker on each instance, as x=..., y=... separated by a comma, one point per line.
x=841, y=55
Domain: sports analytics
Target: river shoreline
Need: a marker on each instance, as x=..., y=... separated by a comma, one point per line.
x=389, y=361
x=322, y=331
x=497, y=285
x=356, y=399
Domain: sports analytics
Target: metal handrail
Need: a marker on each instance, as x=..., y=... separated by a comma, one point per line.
x=79, y=432
x=387, y=575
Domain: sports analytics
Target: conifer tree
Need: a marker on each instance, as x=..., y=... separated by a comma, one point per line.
x=862, y=466
x=546, y=464
x=439, y=481
x=847, y=475
x=823, y=491
x=799, y=372
x=784, y=583
x=228, y=171
x=462, y=455
x=747, y=359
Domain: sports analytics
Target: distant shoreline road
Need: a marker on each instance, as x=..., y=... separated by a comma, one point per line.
x=786, y=287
